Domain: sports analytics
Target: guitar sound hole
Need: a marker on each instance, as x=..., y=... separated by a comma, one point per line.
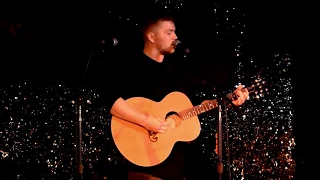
x=172, y=113
x=173, y=119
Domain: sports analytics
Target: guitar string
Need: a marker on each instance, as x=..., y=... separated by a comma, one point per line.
x=206, y=106
x=185, y=114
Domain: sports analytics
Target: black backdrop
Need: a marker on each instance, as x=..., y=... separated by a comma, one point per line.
x=54, y=41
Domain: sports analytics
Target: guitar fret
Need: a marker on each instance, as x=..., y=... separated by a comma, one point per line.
x=196, y=110
x=207, y=106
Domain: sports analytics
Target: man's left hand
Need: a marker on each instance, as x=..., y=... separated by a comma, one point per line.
x=242, y=95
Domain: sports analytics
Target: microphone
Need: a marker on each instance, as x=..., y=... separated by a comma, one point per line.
x=109, y=42
x=185, y=50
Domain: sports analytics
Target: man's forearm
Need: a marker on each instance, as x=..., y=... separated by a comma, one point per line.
x=122, y=110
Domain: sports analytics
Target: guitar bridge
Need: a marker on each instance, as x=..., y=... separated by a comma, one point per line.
x=152, y=136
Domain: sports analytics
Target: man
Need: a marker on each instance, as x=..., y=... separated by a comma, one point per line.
x=146, y=75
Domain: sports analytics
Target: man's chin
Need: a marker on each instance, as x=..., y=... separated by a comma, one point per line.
x=171, y=51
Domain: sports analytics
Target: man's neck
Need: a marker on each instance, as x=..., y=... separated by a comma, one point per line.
x=154, y=54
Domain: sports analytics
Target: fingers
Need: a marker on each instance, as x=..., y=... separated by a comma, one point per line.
x=161, y=131
x=242, y=95
x=241, y=98
x=163, y=127
x=239, y=87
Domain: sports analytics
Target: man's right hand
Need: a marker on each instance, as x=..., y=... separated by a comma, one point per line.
x=156, y=125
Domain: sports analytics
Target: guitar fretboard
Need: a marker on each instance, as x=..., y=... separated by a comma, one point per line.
x=196, y=110
x=207, y=106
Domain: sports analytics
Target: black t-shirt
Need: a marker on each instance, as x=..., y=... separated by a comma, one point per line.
x=140, y=76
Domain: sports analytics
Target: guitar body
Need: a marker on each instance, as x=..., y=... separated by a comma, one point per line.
x=140, y=147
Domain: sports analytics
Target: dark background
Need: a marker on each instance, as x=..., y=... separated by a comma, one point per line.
x=51, y=42
x=54, y=40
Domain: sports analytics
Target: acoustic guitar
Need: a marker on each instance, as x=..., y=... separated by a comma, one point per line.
x=145, y=148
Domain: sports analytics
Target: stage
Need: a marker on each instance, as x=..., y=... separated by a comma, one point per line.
x=48, y=64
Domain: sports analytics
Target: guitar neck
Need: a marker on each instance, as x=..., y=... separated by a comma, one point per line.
x=207, y=106
x=199, y=109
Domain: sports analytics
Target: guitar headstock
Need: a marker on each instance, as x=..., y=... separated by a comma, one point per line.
x=258, y=88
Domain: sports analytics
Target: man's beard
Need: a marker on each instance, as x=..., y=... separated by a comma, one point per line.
x=166, y=51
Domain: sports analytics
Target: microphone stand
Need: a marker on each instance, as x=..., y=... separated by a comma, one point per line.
x=78, y=110
x=219, y=138
x=79, y=140
x=219, y=143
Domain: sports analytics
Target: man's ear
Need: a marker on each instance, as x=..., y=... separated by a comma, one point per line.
x=150, y=36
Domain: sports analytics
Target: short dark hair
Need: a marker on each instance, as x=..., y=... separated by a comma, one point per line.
x=152, y=22
x=153, y=17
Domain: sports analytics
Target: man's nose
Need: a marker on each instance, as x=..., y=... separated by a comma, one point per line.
x=175, y=37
